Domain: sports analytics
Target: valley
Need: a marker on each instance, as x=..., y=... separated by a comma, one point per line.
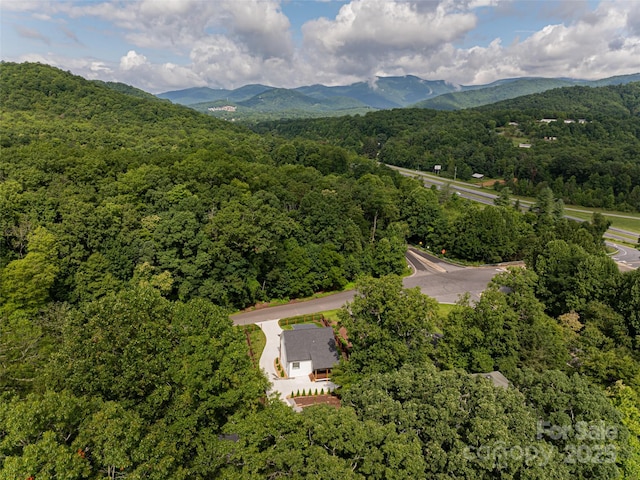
x=135, y=230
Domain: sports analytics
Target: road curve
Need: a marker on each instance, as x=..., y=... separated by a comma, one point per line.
x=446, y=287
x=627, y=258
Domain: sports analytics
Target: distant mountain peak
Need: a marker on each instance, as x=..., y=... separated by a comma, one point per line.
x=380, y=92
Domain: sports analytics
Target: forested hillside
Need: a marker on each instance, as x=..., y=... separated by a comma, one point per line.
x=130, y=229
x=493, y=93
x=590, y=154
x=281, y=103
x=128, y=187
x=252, y=105
x=600, y=103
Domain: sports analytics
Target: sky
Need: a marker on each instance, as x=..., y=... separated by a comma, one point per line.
x=162, y=45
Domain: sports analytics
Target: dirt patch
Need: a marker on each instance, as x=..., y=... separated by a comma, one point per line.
x=331, y=400
x=491, y=183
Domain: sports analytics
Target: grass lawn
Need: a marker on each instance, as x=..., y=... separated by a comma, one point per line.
x=258, y=341
x=624, y=220
x=518, y=140
x=443, y=312
x=444, y=309
x=331, y=315
x=290, y=327
x=313, y=319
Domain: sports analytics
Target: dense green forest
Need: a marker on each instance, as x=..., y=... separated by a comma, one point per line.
x=282, y=103
x=589, y=156
x=132, y=227
x=126, y=187
x=493, y=93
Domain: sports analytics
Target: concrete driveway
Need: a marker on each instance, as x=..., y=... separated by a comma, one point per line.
x=283, y=386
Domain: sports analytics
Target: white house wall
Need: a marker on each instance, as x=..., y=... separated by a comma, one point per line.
x=283, y=353
x=306, y=368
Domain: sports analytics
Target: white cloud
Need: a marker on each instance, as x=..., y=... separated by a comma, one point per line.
x=598, y=44
x=262, y=27
x=90, y=68
x=36, y=6
x=133, y=60
x=633, y=19
x=584, y=48
x=229, y=43
x=136, y=69
x=259, y=25
x=367, y=34
x=222, y=62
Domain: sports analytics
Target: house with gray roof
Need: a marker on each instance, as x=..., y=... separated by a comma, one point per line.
x=308, y=351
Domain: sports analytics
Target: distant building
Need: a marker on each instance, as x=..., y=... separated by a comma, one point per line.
x=478, y=176
x=226, y=108
x=524, y=145
x=568, y=120
x=308, y=351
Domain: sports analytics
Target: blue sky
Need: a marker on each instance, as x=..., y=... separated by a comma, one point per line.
x=160, y=45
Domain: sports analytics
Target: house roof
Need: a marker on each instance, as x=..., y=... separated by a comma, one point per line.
x=315, y=344
x=498, y=379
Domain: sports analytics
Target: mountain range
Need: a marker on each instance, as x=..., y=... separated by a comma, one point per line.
x=258, y=102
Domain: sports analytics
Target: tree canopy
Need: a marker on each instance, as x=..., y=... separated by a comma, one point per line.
x=131, y=228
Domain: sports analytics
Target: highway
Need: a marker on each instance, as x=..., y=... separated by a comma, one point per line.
x=615, y=234
x=435, y=277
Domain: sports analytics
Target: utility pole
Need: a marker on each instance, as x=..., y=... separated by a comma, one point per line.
x=455, y=173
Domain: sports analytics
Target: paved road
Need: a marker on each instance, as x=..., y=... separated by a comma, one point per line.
x=627, y=258
x=487, y=198
x=445, y=286
x=430, y=262
x=330, y=302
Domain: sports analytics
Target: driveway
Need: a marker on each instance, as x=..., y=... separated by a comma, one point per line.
x=441, y=280
x=283, y=386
